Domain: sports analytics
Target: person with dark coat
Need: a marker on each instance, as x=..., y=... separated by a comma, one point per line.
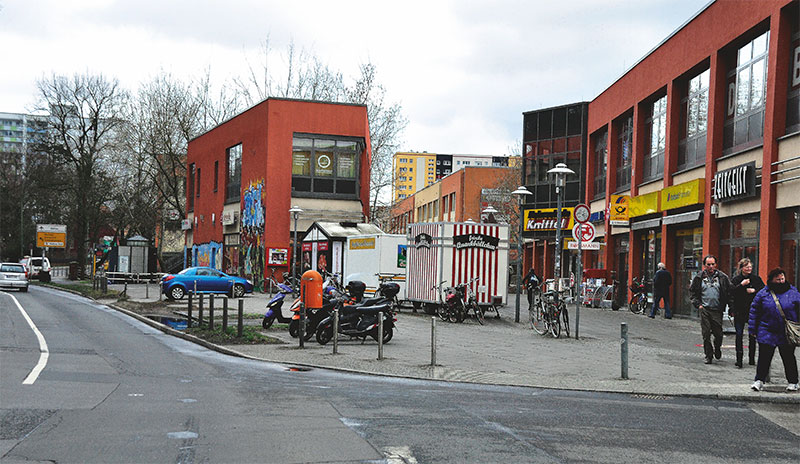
x=661, y=283
x=769, y=326
x=531, y=282
x=744, y=286
x=710, y=292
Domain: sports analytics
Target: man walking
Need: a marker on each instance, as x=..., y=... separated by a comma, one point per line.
x=661, y=283
x=710, y=292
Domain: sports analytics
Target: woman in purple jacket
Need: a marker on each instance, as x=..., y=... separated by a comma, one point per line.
x=769, y=327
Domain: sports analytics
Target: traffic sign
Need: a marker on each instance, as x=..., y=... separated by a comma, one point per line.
x=582, y=213
x=51, y=236
x=584, y=232
x=585, y=246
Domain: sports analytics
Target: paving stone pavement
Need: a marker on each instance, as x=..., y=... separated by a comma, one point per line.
x=664, y=356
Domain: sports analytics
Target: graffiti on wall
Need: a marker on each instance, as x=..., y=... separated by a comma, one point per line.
x=208, y=254
x=251, y=248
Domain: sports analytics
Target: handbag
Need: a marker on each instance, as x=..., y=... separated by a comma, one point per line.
x=792, y=327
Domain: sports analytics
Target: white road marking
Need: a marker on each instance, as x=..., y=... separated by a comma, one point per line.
x=45, y=353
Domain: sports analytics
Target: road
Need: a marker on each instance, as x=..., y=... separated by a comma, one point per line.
x=116, y=390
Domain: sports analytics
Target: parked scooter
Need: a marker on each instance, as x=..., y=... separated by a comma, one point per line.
x=362, y=319
x=274, y=307
x=331, y=289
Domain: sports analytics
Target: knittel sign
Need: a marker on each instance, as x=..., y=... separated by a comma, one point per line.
x=545, y=220
x=486, y=242
x=735, y=183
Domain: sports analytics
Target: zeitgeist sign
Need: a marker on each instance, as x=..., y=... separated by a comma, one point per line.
x=486, y=242
x=735, y=183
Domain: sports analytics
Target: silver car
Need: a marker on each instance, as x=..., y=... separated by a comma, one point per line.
x=12, y=275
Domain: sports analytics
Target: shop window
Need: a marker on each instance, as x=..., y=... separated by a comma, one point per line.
x=793, y=97
x=694, y=123
x=624, y=153
x=790, y=244
x=600, y=164
x=657, y=128
x=747, y=89
x=322, y=166
x=233, y=177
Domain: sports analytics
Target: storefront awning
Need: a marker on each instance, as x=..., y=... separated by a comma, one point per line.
x=648, y=224
x=683, y=217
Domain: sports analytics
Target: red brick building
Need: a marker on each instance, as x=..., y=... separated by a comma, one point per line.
x=696, y=149
x=244, y=175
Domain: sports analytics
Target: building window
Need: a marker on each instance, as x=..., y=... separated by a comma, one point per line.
x=601, y=161
x=325, y=165
x=793, y=96
x=694, y=123
x=747, y=89
x=190, y=187
x=624, y=151
x=233, y=177
x=402, y=170
x=216, y=175
x=657, y=126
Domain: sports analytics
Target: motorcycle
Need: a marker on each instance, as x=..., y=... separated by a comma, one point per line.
x=331, y=289
x=274, y=307
x=362, y=319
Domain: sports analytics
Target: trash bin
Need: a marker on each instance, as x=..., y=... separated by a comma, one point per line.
x=73, y=270
x=311, y=289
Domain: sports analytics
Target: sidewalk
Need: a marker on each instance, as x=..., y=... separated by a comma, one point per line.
x=664, y=356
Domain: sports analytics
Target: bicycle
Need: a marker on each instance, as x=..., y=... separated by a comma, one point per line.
x=451, y=308
x=638, y=303
x=472, y=302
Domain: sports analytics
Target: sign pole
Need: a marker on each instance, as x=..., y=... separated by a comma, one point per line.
x=578, y=294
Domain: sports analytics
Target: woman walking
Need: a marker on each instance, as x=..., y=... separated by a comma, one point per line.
x=745, y=285
x=774, y=302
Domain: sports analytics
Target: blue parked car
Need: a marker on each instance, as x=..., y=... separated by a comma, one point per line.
x=209, y=280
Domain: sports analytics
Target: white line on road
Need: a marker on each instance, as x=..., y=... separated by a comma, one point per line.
x=45, y=354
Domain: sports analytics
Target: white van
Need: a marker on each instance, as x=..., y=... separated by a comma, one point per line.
x=37, y=267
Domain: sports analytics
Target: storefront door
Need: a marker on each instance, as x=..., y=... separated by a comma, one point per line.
x=651, y=254
x=689, y=254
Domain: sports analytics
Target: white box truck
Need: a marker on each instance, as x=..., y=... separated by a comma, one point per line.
x=370, y=258
x=455, y=253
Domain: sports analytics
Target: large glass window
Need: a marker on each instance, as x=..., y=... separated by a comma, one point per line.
x=747, y=89
x=657, y=126
x=233, y=177
x=325, y=165
x=793, y=96
x=600, y=163
x=694, y=123
x=624, y=153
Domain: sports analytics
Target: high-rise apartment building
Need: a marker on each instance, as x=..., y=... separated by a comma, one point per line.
x=412, y=172
x=18, y=130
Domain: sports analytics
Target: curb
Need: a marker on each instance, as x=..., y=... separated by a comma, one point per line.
x=794, y=399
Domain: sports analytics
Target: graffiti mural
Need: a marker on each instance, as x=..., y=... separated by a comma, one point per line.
x=208, y=254
x=251, y=247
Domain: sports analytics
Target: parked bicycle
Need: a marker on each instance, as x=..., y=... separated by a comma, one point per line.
x=452, y=307
x=471, y=302
x=638, y=303
x=546, y=314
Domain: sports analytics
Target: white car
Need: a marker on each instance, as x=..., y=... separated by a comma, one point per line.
x=13, y=275
x=38, y=267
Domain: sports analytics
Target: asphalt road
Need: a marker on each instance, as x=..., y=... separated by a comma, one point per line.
x=116, y=390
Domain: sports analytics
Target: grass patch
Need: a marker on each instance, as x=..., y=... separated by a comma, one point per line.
x=251, y=335
x=84, y=287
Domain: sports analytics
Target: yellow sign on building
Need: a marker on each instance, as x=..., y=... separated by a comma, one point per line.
x=362, y=243
x=644, y=204
x=618, y=210
x=685, y=194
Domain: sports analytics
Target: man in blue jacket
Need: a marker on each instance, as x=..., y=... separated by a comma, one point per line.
x=661, y=283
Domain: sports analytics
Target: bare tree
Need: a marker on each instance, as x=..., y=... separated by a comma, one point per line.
x=85, y=111
x=308, y=77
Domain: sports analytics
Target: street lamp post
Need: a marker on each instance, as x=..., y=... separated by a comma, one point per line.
x=295, y=211
x=520, y=192
x=561, y=170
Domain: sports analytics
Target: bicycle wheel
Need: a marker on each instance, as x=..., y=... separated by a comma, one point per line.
x=555, y=323
x=478, y=312
x=537, y=319
x=459, y=311
x=643, y=304
x=564, y=317
x=633, y=305
x=443, y=311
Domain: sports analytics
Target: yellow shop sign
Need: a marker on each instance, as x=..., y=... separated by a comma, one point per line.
x=644, y=204
x=618, y=210
x=685, y=194
x=362, y=243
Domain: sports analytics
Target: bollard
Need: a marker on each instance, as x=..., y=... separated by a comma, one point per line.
x=125, y=290
x=301, y=333
x=336, y=331
x=380, y=335
x=225, y=315
x=240, y=326
x=200, y=310
x=146, y=289
x=105, y=284
x=160, y=289
x=624, y=352
x=433, y=341
x=189, y=313
x=211, y=311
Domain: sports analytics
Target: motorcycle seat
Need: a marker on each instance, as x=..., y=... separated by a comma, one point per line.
x=359, y=309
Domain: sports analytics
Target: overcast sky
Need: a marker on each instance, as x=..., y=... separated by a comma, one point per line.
x=464, y=71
